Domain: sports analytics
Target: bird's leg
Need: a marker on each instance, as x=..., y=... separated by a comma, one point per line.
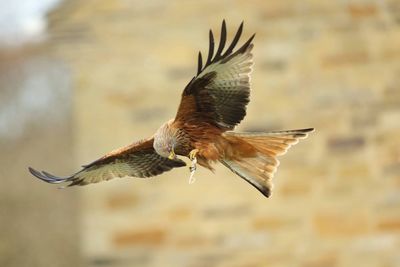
x=193, y=167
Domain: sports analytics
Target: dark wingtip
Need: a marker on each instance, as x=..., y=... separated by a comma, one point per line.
x=265, y=191
x=222, y=42
x=37, y=174
x=200, y=63
x=210, y=48
x=46, y=177
x=244, y=47
x=234, y=41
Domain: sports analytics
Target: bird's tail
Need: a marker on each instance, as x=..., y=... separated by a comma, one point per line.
x=252, y=156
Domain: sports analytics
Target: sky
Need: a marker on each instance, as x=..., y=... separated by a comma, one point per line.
x=23, y=21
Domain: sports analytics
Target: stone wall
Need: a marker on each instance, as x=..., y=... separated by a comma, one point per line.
x=332, y=65
x=39, y=224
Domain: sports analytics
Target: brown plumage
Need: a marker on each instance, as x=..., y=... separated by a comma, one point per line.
x=212, y=104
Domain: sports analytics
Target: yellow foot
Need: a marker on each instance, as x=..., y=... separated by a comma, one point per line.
x=193, y=153
x=193, y=167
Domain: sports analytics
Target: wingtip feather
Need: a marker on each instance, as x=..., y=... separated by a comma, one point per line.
x=222, y=42
x=47, y=177
x=235, y=40
x=210, y=48
x=219, y=55
x=200, y=63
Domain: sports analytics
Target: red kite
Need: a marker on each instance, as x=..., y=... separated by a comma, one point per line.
x=212, y=104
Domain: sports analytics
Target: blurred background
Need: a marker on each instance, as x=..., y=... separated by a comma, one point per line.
x=80, y=78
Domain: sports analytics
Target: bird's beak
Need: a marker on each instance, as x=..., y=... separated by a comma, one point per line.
x=172, y=154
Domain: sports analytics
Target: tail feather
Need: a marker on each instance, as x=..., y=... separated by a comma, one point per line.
x=258, y=164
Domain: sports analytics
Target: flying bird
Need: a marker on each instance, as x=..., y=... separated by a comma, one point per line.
x=212, y=104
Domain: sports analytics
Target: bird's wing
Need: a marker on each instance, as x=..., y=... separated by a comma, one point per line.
x=138, y=160
x=220, y=91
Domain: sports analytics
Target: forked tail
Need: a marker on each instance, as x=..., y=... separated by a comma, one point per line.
x=252, y=156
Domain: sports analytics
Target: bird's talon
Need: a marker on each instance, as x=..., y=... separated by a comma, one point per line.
x=193, y=153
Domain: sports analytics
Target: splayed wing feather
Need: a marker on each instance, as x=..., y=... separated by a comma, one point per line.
x=220, y=92
x=210, y=49
x=234, y=42
x=200, y=63
x=222, y=41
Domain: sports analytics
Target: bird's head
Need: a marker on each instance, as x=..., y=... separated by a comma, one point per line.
x=165, y=141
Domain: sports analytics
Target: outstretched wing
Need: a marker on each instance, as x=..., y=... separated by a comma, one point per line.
x=220, y=91
x=137, y=160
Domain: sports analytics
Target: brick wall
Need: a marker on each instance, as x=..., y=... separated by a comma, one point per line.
x=332, y=65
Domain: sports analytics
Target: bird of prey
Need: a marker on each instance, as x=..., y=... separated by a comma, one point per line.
x=212, y=104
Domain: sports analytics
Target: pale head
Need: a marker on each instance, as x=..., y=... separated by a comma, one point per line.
x=165, y=140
